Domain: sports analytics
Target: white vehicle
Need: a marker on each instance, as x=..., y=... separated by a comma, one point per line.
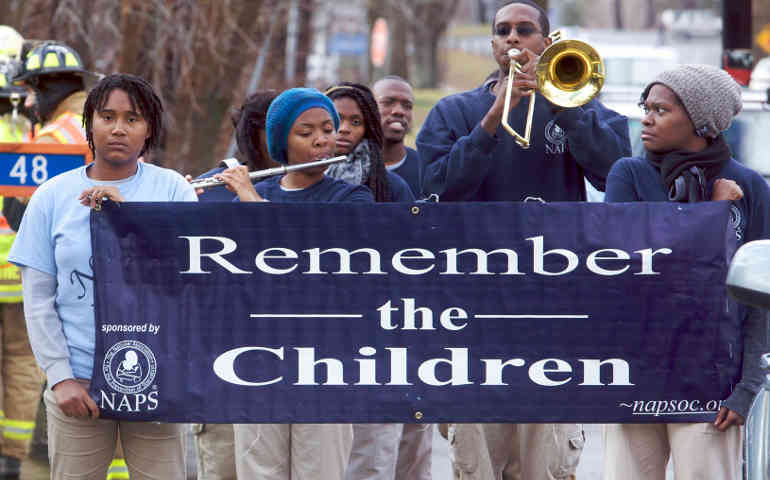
x=692, y=22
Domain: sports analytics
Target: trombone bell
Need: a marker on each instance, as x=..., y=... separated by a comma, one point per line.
x=570, y=73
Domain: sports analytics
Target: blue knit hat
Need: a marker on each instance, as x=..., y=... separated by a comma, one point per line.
x=285, y=110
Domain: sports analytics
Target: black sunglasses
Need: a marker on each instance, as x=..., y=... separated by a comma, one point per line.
x=522, y=29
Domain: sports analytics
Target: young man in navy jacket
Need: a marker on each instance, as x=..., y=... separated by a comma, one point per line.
x=395, y=101
x=469, y=157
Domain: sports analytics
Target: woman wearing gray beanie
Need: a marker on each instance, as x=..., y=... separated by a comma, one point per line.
x=687, y=160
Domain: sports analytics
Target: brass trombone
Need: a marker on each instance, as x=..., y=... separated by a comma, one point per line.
x=268, y=172
x=569, y=74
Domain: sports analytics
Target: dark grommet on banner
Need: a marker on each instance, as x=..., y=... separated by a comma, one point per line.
x=418, y=415
x=415, y=210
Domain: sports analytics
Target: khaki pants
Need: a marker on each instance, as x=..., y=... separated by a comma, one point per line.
x=292, y=451
x=391, y=451
x=414, y=452
x=83, y=448
x=215, y=444
x=698, y=450
x=20, y=383
x=516, y=451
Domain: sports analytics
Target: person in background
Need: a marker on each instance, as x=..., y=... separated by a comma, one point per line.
x=215, y=442
x=469, y=157
x=21, y=380
x=395, y=101
x=360, y=137
x=123, y=120
x=249, y=124
x=394, y=451
x=53, y=76
x=687, y=109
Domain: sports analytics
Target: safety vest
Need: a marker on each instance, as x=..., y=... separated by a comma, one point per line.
x=66, y=128
x=13, y=131
x=10, y=276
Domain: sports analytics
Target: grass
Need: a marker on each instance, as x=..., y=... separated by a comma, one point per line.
x=424, y=100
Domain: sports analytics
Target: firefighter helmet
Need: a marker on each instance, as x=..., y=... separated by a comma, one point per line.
x=10, y=44
x=50, y=58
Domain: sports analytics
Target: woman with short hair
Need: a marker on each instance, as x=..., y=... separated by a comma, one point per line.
x=123, y=119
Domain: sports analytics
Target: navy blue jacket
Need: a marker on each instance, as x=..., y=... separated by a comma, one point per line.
x=215, y=194
x=327, y=190
x=636, y=180
x=398, y=189
x=410, y=169
x=463, y=163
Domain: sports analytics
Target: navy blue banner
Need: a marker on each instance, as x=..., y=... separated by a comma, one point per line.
x=501, y=312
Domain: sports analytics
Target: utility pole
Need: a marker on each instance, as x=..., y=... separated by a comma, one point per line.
x=737, y=58
x=292, y=33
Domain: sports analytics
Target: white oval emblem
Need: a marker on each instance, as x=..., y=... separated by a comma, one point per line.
x=554, y=133
x=735, y=216
x=129, y=366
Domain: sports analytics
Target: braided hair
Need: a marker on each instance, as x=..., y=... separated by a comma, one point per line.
x=249, y=121
x=364, y=98
x=143, y=98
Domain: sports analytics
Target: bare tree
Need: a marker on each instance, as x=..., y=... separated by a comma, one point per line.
x=618, y=14
x=199, y=55
x=427, y=22
x=651, y=19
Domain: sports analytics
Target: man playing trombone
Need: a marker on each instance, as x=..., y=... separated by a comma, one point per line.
x=469, y=156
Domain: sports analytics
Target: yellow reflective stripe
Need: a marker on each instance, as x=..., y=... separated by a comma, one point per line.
x=11, y=435
x=18, y=429
x=118, y=470
x=70, y=60
x=51, y=60
x=19, y=423
x=59, y=135
x=33, y=62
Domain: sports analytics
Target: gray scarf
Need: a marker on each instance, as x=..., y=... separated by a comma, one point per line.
x=355, y=170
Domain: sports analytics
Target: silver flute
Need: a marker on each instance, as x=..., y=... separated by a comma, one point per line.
x=269, y=172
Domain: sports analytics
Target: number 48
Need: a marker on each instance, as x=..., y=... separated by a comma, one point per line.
x=39, y=169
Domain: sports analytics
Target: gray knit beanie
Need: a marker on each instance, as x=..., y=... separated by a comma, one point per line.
x=710, y=96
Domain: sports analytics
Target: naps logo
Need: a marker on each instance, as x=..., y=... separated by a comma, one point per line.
x=556, y=137
x=129, y=367
x=736, y=218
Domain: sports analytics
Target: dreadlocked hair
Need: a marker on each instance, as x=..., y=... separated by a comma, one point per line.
x=362, y=95
x=249, y=121
x=142, y=97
